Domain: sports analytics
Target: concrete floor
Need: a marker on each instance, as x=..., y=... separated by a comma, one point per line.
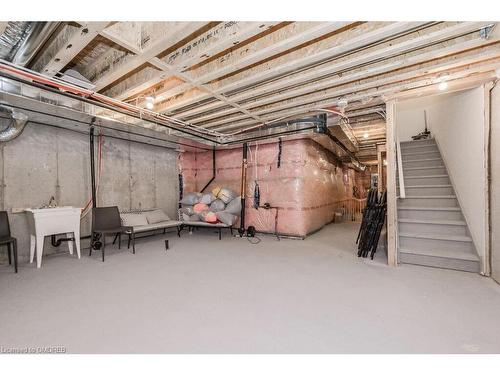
x=210, y=296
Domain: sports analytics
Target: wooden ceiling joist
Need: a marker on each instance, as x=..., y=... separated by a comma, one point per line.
x=223, y=36
x=349, y=40
x=473, y=63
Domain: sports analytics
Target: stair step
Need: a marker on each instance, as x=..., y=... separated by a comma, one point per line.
x=436, y=222
x=433, y=162
x=418, y=141
x=428, y=200
x=431, y=241
x=426, y=154
x=424, y=171
x=455, y=260
x=418, y=148
x=426, y=180
x=430, y=213
x=419, y=190
x=426, y=226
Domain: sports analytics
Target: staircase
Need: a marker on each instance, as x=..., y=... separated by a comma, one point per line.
x=432, y=229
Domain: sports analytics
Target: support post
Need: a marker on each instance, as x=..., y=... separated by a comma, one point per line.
x=241, y=229
x=392, y=220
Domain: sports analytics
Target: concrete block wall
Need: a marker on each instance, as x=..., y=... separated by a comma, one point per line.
x=45, y=161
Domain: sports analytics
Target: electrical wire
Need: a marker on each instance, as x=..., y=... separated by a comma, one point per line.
x=257, y=240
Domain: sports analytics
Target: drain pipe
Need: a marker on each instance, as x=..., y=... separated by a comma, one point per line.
x=92, y=163
x=243, y=190
x=16, y=125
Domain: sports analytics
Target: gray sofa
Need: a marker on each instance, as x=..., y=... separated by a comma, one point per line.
x=145, y=226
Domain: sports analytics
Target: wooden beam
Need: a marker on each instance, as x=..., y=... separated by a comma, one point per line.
x=458, y=69
x=223, y=36
x=350, y=70
x=486, y=262
x=459, y=80
x=142, y=56
x=155, y=61
x=392, y=218
x=76, y=43
x=278, y=42
x=325, y=84
x=336, y=45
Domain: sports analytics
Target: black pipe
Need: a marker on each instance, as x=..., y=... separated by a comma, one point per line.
x=241, y=229
x=181, y=189
x=213, y=171
x=280, y=149
x=57, y=243
x=92, y=164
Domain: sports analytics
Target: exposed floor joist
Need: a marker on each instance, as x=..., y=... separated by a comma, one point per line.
x=227, y=76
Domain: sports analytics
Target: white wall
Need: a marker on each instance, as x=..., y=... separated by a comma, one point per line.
x=456, y=120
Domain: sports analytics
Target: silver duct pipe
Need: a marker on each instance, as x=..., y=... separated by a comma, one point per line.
x=15, y=126
x=22, y=40
x=39, y=34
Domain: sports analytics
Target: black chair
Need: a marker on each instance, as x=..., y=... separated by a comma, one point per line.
x=7, y=239
x=106, y=221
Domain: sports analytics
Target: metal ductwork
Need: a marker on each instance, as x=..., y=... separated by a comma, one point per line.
x=20, y=41
x=16, y=123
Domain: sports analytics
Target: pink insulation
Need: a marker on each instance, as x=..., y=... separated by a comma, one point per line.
x=302, y=192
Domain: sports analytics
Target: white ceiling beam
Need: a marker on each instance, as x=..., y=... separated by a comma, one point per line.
x=342, y=43
x=80, y=39
x=363, y=73
x=428, y=69
x=142, y=56
x=155, y=61
x=291, y=39
x=395, y=60
x=222, y=37
x=467, y=75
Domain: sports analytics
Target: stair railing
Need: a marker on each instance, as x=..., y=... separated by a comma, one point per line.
x=402, y=193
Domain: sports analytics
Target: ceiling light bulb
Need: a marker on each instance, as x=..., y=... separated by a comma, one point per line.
x=444, y=77
x=365, y=136
x=443, y=86
x=150, y=102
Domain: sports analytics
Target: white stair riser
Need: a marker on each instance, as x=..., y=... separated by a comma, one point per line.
x=418, y=228
x=423, y=148
x=428, y=202
x=426, y=244
x=424, y=172
x=426, y=180
x=422, y=163
x=420, y=191
x=454, y=264
x=420, y=156
x=430, y=215
x=418, y=142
